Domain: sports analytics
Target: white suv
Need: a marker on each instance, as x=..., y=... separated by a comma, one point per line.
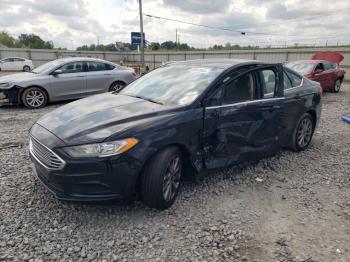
x=16, y=64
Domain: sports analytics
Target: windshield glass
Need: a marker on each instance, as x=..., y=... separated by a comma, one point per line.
x=47, y=68
x=172, y=84
x=301, y=68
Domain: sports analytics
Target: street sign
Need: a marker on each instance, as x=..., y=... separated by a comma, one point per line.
x=136, y=38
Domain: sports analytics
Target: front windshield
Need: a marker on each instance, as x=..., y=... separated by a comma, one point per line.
x=301, y=68
x=46, y=68
x=172, y=84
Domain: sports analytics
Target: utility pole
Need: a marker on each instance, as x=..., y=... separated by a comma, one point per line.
x=141, y=31
x=176, y=39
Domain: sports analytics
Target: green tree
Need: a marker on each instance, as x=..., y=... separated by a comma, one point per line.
x=33, y=41
x=7, y=39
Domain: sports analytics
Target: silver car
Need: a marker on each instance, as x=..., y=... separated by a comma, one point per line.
x=64, y=79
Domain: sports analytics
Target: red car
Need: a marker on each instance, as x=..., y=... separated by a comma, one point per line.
x=323, y=68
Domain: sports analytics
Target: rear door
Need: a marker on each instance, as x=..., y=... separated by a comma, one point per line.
x=322, y=76
x=331, y=73
x=70, y=83
x=240, y=123
x=99, y=77
x=18, y=64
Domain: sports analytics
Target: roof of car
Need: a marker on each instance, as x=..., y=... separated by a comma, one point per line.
x=217, y=62
x=308, y=61
x=80, y=58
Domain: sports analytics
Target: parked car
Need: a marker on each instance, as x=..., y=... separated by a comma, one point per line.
x=200, y=114
x=323, y=68
x=16, y=64
x=64, y=79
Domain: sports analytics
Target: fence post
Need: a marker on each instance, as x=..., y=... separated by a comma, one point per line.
x=0, y=54
x=203, y=55
x=254, y=55
x=154, y=60
x=287, y=56
x=29, y=52
x=185, y=56
x=168, y=57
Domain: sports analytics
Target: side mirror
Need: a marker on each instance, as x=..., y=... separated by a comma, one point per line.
x=57, y=72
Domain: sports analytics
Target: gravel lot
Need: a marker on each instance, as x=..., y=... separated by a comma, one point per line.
x=291, y=207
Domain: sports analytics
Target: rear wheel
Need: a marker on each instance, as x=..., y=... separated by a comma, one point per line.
x=337, y=86
x=116, y=86
x=161, y=178
x=303, y=133
x=34, y=97
x=26, y=69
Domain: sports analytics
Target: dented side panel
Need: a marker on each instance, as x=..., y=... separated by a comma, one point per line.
x=242, y=131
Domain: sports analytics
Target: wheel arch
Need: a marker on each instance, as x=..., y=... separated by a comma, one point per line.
x=313, y=115
x=37, y=86
x=116, y=81
x=186, y=158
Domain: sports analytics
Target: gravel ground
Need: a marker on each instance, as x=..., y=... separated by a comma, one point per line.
x=291, y=207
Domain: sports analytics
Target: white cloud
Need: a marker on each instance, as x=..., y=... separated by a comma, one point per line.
x=275, y=22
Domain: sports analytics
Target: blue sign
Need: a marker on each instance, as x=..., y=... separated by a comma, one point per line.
x=136, y=38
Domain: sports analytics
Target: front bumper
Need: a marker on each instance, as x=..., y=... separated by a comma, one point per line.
x=9, y=96
x=88, y=179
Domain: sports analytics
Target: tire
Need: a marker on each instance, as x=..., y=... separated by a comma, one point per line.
x=34, y=97
x=116, y=86
x=337, y=85
x=161, y=178
x=303, y=133
x=26, y=69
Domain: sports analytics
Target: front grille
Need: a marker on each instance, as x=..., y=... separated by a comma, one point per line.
x=44, y=155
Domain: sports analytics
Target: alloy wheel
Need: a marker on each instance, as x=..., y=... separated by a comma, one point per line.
x=304, y=133
x=116, y=87
x=172, y=177
x=337, y=86
x=35, y=98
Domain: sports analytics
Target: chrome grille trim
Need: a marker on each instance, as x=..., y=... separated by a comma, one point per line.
x=45, y=156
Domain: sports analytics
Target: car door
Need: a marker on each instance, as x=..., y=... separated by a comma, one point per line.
x=99, y=77
x=18, y=64
x=7, y=64
x=321, y=75
x=330, y=73
x=68, y=81
x=239, y=122
x=293, y=103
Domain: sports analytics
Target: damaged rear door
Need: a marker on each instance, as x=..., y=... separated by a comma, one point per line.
x=242, y=116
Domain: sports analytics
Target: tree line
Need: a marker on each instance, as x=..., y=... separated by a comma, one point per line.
x=25, y=41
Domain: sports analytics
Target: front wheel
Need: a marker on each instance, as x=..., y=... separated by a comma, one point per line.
x=303, y=132
x=116, y=86
x=34, y=97
x=161, y=178
x=337, y=86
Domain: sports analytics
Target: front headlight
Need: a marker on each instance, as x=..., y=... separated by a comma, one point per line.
x=7, y=85
x=101, y=149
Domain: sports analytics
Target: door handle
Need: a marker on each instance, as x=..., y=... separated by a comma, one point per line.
x=80, y=76
x=270, y=107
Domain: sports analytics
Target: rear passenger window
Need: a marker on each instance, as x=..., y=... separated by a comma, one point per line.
x=295, y=79
x=286, y=81
x=268, y=77
x=98, y=66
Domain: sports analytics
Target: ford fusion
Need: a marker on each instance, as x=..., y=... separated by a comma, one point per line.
x=197, y=116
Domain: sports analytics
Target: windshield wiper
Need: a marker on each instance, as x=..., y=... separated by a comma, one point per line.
x=145, y=98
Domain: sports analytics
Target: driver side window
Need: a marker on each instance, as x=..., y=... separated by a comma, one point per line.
x=234, y=90
x=74, y=67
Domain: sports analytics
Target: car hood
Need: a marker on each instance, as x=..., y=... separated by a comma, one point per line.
x=16, y=78
x=333, y=57
x=95, y=118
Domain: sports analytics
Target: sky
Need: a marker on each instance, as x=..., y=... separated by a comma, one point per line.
x=72, y=23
